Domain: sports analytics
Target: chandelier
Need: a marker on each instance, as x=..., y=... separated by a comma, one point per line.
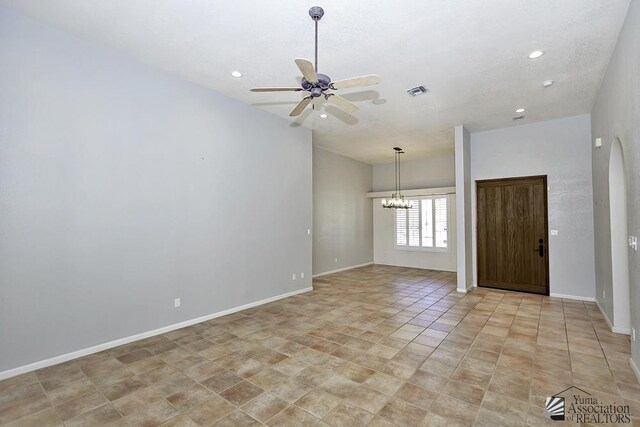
x=397, y=200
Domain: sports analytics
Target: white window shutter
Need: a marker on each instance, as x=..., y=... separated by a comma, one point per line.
x=414, y=224
x=440, y=213
x=401, y=227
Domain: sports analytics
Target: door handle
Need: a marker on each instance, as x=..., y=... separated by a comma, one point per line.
x=540, y=249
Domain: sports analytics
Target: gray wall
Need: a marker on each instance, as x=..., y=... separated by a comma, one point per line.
x=560, y=149
x=122, y=188
x=428, y=172
x=616, y=113
x=342, y=214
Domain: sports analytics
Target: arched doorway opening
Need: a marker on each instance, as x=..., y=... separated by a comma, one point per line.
x=619, y=254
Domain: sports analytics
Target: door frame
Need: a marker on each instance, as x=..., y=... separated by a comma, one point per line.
x=546, y=225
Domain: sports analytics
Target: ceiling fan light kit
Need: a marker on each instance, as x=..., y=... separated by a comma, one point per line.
x=397, y=200
x=316, y=84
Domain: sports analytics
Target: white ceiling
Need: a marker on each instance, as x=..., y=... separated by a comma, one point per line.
x=471, y=54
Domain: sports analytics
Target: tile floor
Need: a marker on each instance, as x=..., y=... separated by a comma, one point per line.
x=377, y=346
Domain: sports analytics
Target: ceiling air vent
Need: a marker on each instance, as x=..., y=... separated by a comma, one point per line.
x=518, y=118
x=418, y=90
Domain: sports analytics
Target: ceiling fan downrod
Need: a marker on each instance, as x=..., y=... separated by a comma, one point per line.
x=316, y=13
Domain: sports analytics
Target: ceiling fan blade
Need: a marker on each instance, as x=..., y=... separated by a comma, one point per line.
x=276, y=89
x=301, y=106
x=368, y=80
x=342, y=103
x=307, y=70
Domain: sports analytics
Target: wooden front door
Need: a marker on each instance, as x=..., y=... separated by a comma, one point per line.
x=512, y=234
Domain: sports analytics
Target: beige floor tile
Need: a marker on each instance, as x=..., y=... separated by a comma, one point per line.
x=402, y=413
x=344, y=415
x=416, y=395
x=47, y=417
x=455, y=409
x=318, y=402
x=237, y=418
x=210, y=410
x=152, y=414
x=241, y=393
x=463, y=391
x=80, y=405
x=189, y=397
x=293, y=417
x=264, y=407
x=101, y=416
x=379, y=344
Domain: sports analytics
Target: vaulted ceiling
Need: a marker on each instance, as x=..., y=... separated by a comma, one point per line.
x=472, y=55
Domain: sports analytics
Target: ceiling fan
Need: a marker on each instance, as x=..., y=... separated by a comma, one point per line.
x=317, y=84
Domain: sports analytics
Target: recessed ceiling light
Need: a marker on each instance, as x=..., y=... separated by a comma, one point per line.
x=379, y=101
x=520, y=110
x=236, y=74
x=323, y=116
x=536, y=54
x=547, y=83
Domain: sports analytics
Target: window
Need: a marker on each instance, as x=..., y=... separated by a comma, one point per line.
x=425, y=225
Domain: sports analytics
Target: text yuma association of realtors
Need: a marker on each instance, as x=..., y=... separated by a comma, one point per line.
x=589, y=410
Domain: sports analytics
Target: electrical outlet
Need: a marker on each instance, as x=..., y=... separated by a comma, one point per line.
x=554, y=232
x=293, y=276
x=302, y=275
x=633, y=242
x=176, y=303
x=308, y=231
x=603, y=295
x=633, y=334
x=336, y=260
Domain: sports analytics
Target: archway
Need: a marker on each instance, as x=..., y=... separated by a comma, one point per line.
x=619, y=254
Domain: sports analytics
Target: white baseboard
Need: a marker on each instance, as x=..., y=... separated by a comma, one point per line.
x=573, y=297
x=606, y=318
x=351, y=267
x=105, y=346
x=462, y=290
x=624, y=331
x=634, y=368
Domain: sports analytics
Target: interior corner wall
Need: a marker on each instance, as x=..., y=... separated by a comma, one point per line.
x=560, y=149
x=616, y=114
x=342, y=216
x=124, y=187
x=434, y=171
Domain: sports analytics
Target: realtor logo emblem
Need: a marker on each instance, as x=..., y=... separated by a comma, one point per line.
x=583, y=408
x=554, y=408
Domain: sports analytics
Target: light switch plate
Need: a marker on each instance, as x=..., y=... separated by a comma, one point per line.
x=598, y=143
